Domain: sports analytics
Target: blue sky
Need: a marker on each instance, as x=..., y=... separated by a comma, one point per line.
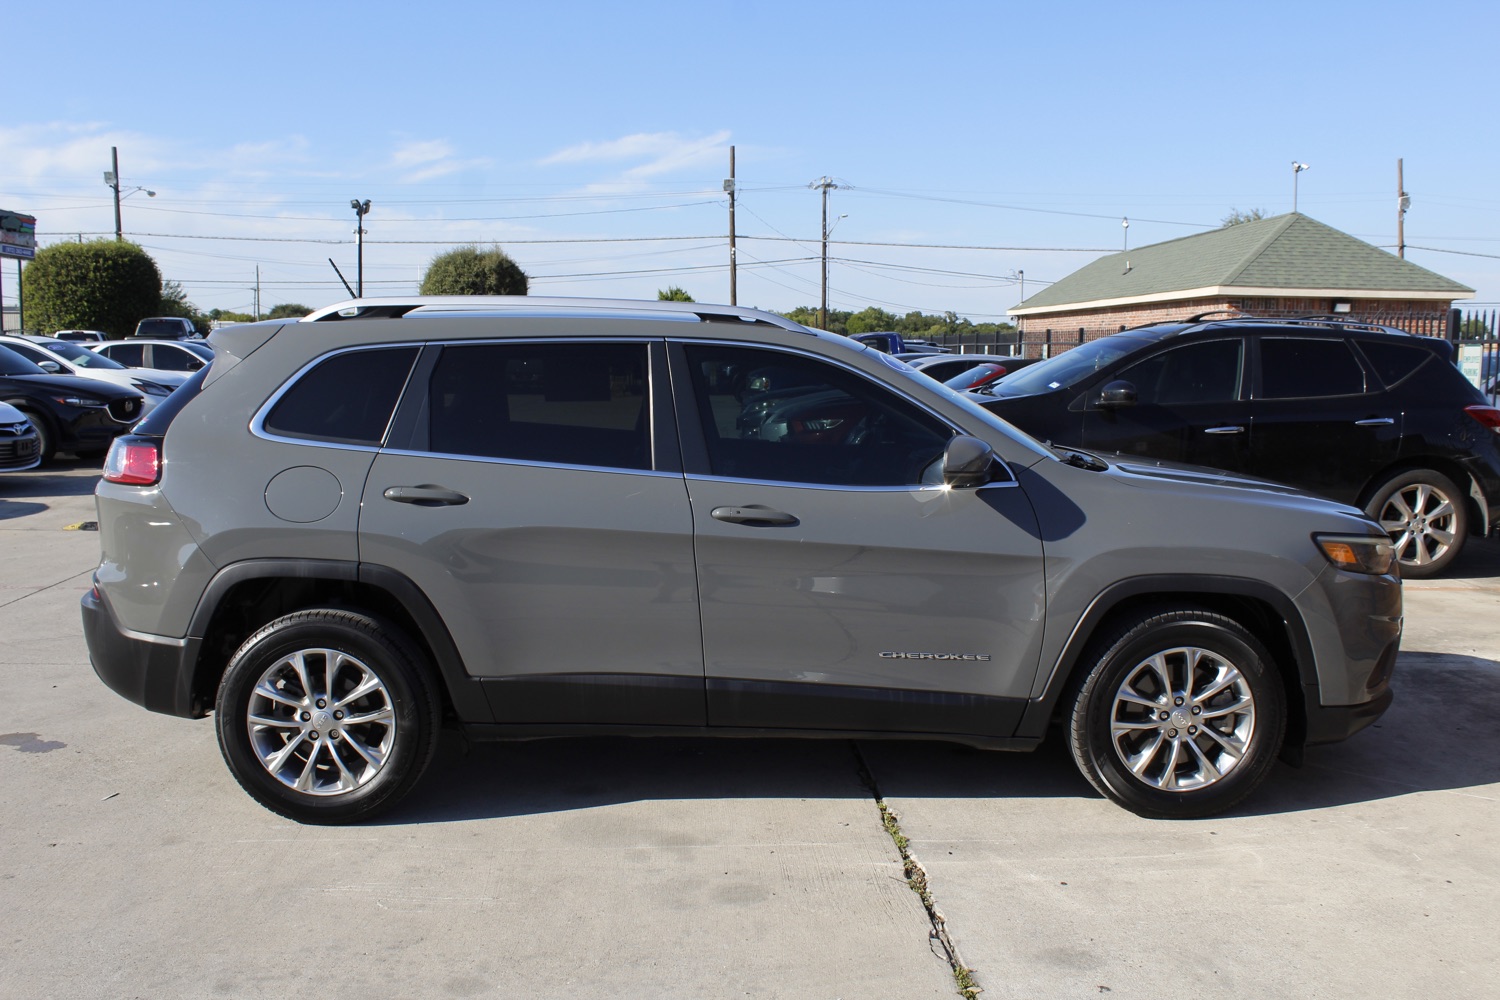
x=591, y=140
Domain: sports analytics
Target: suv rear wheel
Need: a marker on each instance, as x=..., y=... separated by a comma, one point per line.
x=1426, y=517
x=1181, y=715
x=326, y=716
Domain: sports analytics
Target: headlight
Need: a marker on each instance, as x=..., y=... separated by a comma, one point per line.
x=152, y=388
x=79, y=400
x=1372, y=554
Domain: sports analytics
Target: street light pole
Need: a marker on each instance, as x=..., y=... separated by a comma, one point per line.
x=1297, y=169
x=361, y=209
x=112, y=180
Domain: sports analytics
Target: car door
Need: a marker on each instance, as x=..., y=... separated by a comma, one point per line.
x=536, y=496
x=129, y=355
x=840, y=587
x=1187, y=406
x=1321, y=421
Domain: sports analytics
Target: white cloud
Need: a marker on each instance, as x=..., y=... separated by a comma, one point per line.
x=427, y=159
x=662, y=153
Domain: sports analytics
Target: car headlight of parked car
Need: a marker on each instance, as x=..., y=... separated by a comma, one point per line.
x=151, y=388
x=1372, y=554
x=79, y=401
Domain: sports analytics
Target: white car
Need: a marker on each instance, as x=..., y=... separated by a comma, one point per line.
x=20, y=445
x=64, y=358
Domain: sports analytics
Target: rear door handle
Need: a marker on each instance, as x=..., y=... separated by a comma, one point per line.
x=426, y=495
x=752, y=514
x=1375, y=422
x=1224, y=430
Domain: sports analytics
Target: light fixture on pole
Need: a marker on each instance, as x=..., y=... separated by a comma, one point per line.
x=1124, y=235
x=1297, y=169
x=361, y=209
x=112, y=180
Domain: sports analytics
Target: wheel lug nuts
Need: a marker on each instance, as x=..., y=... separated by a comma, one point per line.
x=1197, y=709
x=1192, y=731
x=1164, y=716
x=1177, y=701
x=306, y=716
x=324, y=704
x=313, y=735
x=333, y=735
x=340, y=715
x=1171, y=734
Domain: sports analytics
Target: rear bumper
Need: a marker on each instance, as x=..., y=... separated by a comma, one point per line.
x=153, y=671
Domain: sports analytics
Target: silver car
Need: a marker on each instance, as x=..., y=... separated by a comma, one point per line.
x=535, y=517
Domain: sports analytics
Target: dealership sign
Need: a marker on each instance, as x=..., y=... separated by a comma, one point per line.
x=17, y=235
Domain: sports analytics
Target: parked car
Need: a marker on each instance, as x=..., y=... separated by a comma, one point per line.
x=166, y=328
x=892, y=342
x=362, y=525
x=70, y=413
x=162, y=355
x=62, y=357
x=20, y=444
x=976, y=377
x=1370, y=416
x=82, y=336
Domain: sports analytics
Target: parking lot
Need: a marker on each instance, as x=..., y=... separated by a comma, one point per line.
x=131, y=865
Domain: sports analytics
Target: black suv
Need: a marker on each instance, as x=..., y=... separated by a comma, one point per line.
x=1367, y=415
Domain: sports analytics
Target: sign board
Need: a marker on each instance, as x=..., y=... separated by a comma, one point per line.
x=1471, y=362
x=17, y=235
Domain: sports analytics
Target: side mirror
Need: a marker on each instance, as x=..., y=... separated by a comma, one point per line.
x=50, y=367
x=1116, y=394
x=968, y=462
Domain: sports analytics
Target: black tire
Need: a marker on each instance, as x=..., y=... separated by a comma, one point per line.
x=1427, y=518
x=299, y=760
x=1171, y=779
x=46, y=436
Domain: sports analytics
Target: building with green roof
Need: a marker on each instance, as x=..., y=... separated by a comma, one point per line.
x=1287, y=265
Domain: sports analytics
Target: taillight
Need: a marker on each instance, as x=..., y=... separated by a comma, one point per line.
x=133, y=461
x=1487, y=415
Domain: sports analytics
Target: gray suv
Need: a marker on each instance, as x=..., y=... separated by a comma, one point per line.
x=540, y=517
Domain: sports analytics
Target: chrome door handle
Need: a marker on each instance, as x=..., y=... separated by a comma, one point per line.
x=752, y=514
x=1375, y=422
x=426, y=495
x=1224, y=430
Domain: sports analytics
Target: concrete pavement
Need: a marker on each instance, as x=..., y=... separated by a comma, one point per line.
x=131, y=865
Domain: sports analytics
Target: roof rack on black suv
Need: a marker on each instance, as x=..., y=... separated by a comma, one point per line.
x=1375, y=417
x=558, y=517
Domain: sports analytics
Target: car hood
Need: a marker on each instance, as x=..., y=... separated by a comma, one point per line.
x=75, y=383
x=1151, y=473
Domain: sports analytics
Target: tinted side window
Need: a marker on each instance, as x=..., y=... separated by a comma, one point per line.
x=1293, y=368
x=1207, y=372
x=781, y=417
x=572, y=404
x=129, y=355
x=1393, y=362
x=173, y=359
x=347, y=398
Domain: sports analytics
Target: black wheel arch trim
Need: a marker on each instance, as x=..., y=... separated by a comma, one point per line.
x=464, y=693
x=1040, y=711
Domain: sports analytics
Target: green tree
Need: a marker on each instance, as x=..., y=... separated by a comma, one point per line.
x=225, y=316
x=472, y=271
x=100, y=285
x=674, y=294
x=1236, y=217
x=174, y=302
x=288, y=310
x=869, y=320
x=1473, y=328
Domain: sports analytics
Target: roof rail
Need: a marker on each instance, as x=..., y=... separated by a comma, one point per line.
x=1233, y=314
x=431, y=305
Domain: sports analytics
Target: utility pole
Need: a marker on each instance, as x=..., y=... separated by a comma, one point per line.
x=729, y=187
x=257, y=293
x=361, y=209
x=113, y=180
x=1403, y=202
x=825, y=184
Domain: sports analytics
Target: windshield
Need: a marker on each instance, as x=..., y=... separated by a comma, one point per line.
x=12, y=363
x=82, y=356
x=1069, y=366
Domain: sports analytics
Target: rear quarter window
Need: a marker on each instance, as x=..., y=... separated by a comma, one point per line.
x=345, y=399
x=1394, y=362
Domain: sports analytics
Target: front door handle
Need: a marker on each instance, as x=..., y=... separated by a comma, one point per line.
x=752, y=514
x=1224, y=430
x=426, y=495
x=1375, y=422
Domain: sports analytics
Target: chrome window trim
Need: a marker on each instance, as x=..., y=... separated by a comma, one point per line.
x=258, y=422
x=834, y=488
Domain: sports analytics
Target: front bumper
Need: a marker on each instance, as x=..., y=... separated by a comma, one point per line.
x=152, y=671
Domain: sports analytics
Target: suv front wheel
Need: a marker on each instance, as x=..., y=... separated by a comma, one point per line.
x=1181, y=715
x=1426, y=518
x=326, y=716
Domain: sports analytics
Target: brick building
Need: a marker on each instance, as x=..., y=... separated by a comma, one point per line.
x=1288, y=265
